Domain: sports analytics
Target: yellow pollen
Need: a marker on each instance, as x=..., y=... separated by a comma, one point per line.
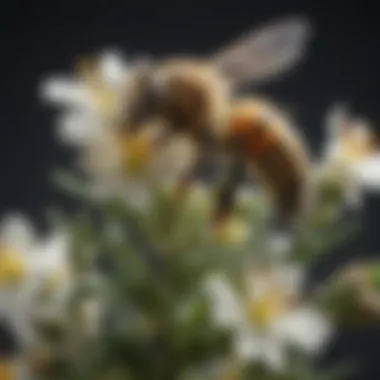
x=231, y=231
x=263, y=311
x=354, y=148
x=12, y=268
x=136, y=153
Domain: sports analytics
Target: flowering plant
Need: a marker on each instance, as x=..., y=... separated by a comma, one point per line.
x=139, y=286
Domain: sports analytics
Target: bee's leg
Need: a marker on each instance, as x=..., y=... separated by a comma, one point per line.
x=227, y=193
x=190, y=176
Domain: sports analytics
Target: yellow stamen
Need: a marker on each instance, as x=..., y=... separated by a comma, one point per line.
x=136, y=153
x=356, y=144
x=263, y=311
x=231, y=231
x=12, y=268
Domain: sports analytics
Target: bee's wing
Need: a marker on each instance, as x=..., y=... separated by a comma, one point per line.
x=266, y=52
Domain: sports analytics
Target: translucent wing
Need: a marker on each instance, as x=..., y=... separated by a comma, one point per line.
x=266, y=52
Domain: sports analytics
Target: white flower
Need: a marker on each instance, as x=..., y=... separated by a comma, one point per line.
x=25, y=266
x=112, y=67
x=66, y=91
x=367, y=172
x=117, y=164
x=265, y=318
x=130, y=167
x=92, y=101
x=352, y=152
x=98, y=88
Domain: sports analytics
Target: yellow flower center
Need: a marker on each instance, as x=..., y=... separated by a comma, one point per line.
x=355, y=145
x=231, y=231
x=136, y=153
x=7, y=370
x=263, y=311
x=12, y=268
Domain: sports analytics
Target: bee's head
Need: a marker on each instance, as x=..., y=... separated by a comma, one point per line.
x=143, y=97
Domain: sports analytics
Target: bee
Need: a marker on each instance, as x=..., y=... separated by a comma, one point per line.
x=198, y=97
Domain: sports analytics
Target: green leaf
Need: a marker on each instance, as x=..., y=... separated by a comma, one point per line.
x=71, y=185
x=313, y=243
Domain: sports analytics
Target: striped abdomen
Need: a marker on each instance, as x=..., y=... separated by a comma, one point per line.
x=276, y=153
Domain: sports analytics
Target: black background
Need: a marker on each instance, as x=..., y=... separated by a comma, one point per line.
x=39, y=38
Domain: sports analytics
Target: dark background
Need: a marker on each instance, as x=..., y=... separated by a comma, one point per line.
x=39, y=38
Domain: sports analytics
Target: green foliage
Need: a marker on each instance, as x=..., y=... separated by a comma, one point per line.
x=157, y=323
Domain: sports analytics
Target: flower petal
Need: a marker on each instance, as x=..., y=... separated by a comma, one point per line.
x=16, y=233
x=305, y=328
x=225, y=305
x=249, y=346
x=368, y=172
x=51, y=253
x=259, y=346
x=273, y=354
x=79, y=128
x=65, y=91
x=290, y=277
x=285, y=279
x=112, y=68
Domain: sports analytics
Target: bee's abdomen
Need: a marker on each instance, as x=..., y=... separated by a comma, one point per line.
x=285, y=177
x=277, y=156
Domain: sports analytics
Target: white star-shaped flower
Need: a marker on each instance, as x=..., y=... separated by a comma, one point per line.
x=117, y=164
x=26, y=265
x=352, y=151
x=265, y=319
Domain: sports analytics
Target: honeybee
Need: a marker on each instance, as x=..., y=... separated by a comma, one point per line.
x=198, y=97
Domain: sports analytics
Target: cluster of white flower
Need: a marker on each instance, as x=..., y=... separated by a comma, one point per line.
x=125, y=166
x=29, y=267
x=351, y=154
x=267, y=314
x=36, y=281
